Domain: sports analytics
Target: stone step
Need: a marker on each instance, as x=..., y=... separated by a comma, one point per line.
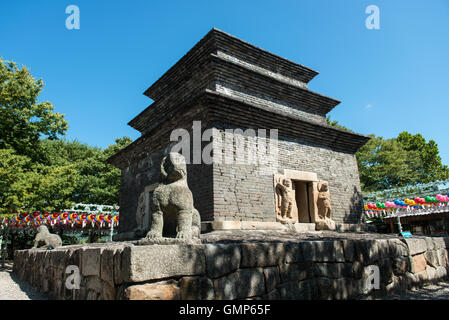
x=304, y=227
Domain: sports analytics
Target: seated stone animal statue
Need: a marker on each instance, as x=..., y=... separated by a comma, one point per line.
x=172, y=211
x=48, y=239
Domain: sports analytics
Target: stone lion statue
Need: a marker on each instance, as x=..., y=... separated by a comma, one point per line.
x=49, y=239
x=171, y=207
x=325, y=221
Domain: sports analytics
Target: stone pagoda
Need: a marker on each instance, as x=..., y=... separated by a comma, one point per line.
x=217, y=94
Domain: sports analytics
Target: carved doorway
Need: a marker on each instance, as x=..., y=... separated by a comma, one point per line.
x=304, y=200
x=301, y=193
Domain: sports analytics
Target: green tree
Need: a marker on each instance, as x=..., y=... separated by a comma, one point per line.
x=431, y=168
x=396, y=162
x=385, y=163
x=23, y=120
x=26, y=185
x=97, y=181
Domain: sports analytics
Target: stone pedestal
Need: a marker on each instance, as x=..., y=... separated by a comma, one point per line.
x=297, y=269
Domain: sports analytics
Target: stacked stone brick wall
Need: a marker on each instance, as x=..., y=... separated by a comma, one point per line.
x=144, y=169
x=322, y=269
x=244, y=192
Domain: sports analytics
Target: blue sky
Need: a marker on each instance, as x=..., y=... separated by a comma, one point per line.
x=388, y=80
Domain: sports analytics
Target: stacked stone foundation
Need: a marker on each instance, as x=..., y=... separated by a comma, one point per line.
x=318, y=269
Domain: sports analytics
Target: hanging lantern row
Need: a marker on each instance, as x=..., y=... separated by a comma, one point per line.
x=74, y=220
x=382, y=209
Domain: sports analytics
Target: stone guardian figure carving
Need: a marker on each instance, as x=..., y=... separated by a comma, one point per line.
x=283, y=189
x=172, y=208
x=44, y=236
x=324, y=221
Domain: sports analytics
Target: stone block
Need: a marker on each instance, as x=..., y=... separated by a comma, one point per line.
x=272, y=295
x=295, y=290
x=74, y=257
x=296, y=271
x=58, y=258
x=226, y=225
x=222, y=259
x=164, y=290
x=439, y=242
x=367, y=251
x=357, y=269
x=398, y=248
x=386, y=271
x=348, y=249
x=118, y=274
x=272, y=278
x=90, y=261
x=430, y=244
x=441, y=272
x=261, y=225
x=401, y=265
x=293, y=253
x=196, y=288
x=383, y=248
x=415, y=245
x=419, y=263
x=244, y=283
x=339, y=289
x=143, y=263
x=108, y=291
x=432, y=258
x=107, y=265
x=304, y=227
x=94, y=283
x=443, y=259
x=91, y=295
x=262, y=254
x=431, y=273
x=323, y=251
x=333, y=270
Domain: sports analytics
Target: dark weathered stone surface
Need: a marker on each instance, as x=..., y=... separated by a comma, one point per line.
x=331, y=251
x=196, y=288
x=159, y=261
x=272, y=278
x=222, y=259
x=240, y=284
x=295, y=290
x=262, y=254
x=91, y=261
x=296, y=271
x=215, y=271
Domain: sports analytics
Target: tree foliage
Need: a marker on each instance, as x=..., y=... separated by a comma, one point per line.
x=37, y=170
x=23, y=121
x=397, y=162
x=431, y=168
x=71, y=172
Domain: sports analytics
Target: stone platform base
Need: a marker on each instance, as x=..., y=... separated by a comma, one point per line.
x=267, y=265
x=209, y=226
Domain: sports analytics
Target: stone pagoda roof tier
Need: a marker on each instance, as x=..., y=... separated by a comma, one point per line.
x=217, y=109
x=219, y=41
x=224, y=73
